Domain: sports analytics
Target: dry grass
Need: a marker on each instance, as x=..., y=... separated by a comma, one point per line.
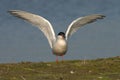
x=99, y=69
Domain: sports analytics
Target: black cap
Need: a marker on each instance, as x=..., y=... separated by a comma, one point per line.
x=62, y=34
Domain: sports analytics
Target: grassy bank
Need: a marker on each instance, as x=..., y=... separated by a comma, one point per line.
x=99, y=69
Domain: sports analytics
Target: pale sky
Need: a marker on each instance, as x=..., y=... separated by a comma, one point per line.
x=20, y=41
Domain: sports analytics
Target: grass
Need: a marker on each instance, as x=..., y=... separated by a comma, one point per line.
x=99, y=69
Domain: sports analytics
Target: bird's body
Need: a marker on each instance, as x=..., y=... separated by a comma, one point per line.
x=58, y=44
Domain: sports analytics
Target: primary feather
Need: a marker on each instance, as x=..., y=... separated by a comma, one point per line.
x=76, y=24
x=43, y=24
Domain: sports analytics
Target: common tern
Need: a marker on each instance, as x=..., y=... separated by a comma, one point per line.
x=58, y=44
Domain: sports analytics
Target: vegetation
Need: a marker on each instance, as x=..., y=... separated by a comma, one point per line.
x=99, y=69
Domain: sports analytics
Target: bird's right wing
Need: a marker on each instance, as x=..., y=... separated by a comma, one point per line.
x=43, y=24
x=76, y=24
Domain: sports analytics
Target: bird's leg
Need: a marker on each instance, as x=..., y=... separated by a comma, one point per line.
x=62, y=58
x=57, y=59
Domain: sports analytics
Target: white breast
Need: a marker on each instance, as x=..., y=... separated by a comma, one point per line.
x=60, y=47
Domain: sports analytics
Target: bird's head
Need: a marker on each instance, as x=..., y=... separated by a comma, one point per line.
x=61, y=34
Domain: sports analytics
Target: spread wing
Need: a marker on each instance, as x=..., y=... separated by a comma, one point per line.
x=76, y=24
x=40, y=22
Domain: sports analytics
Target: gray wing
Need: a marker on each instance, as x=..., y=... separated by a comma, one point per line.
x=76, y=24
x=40, y=22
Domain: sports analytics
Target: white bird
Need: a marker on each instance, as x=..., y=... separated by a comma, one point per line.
x=58, y=44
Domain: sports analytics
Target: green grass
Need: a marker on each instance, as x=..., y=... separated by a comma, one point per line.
x=99, y=69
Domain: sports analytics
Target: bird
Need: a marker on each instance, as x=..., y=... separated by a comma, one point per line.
x=59, y=43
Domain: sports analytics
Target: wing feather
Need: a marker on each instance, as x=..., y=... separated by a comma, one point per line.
x=40, y=22
x=76, y=24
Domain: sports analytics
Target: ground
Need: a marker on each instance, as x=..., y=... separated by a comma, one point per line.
x=99, y=69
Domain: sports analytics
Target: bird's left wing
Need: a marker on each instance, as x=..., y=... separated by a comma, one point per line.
x=43, y=24
x=76, y=24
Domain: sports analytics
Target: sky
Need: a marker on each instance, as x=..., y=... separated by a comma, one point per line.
x=21, y=41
